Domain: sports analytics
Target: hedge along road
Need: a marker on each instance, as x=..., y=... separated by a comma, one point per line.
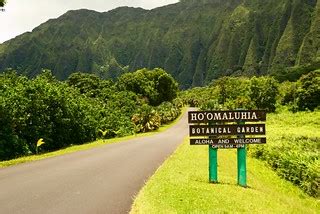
x=99, y=180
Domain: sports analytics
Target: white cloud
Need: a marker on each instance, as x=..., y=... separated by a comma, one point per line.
x=24, y=15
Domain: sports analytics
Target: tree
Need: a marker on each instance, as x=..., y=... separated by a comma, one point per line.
x=233, y=92
x=263, y=93
x=308, y=93
x=87, y=83
x=155, y=85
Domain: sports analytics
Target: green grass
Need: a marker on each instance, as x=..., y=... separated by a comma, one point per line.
x=181, y=185
x=94, y=144
x=293, y=125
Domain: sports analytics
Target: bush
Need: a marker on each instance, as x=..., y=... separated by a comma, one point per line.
x=168, y=112
x=287, y=93
x=303, y=94
x=293, y=164
x=10, y=144
x=46, y=108
x=233, y=92
x=263, y=93
x=155, y=85
x=196, y=97
x=308, y=92
x=146, y=119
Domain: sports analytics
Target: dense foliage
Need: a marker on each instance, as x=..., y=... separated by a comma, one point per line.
x=303, y=94
x=257, y=93
x=78, y=110
x=293, y=149
x=235, y=93
x=196, y=41
x=156, y=86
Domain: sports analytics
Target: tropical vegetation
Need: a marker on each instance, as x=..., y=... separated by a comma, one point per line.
x=195, y=41
x=81, y=109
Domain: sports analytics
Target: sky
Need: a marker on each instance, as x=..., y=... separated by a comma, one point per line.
x=21, y=16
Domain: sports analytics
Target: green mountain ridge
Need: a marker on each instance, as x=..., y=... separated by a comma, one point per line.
x=196, y=41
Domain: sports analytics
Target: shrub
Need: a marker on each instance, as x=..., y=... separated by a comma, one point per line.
x=10, y=144
x=263, y=93
x=156, y=85
x=293, y=164
x=308, y=92
x=146, y=119
x=87, y=83
x=168, y=112
x=287, y=93
x=44, y=108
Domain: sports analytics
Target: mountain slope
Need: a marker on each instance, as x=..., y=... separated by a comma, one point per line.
x=196, y=41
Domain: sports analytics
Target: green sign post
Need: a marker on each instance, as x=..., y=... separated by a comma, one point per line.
x=213, y=162
x=242, y=163
x=218, y=140
x=242, y=166
x=213, y=165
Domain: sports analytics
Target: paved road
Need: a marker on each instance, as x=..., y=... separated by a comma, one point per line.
x=100, y=180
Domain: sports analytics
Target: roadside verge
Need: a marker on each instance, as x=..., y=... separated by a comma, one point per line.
x=181, y=185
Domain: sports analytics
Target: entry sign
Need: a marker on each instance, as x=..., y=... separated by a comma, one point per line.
x=216, y=126
x=218, y=133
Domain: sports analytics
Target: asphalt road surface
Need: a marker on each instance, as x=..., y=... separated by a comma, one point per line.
x=99, y=180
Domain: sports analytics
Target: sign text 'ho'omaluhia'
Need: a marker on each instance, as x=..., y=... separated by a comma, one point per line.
x=226, y=116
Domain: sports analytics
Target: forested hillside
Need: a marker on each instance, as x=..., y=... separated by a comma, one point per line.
x=196, y=41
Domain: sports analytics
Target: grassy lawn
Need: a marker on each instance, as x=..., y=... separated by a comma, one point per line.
x=94, y=144
x=294, y=125
x=181, y=186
